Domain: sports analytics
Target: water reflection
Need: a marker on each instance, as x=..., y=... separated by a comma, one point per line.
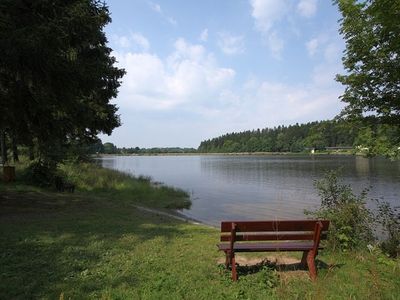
x=362, y=166
x=259, y=187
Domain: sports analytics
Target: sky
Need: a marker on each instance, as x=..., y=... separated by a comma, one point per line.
x=200, y=69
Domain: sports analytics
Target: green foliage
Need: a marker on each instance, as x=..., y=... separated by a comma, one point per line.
x=369, y=140
x=293, y=138
x=90, y=178
x=351, y=220
x=57, y=75
x=372, y=59
x=389, y=219
x=379, y=140
x=40, y=173
x=109, y=148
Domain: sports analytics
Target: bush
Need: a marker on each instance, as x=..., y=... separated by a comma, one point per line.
x=351, y=220
x=40, y=173
x=389, y=219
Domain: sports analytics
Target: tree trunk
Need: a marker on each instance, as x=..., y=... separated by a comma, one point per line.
x=15, y=150
x=31, y=153
x=3, y=147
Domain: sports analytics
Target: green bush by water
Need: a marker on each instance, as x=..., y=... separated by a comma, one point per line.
x=352, y=222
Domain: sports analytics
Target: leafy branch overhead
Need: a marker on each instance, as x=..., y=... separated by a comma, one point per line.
x=372, y=59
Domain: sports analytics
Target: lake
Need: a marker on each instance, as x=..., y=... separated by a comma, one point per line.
x=250, y=187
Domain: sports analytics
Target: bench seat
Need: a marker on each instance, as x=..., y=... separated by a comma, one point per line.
x=268, y=246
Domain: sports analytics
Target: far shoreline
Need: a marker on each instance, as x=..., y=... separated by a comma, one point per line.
x=232, y=154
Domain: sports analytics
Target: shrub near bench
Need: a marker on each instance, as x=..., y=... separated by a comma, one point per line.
x=273, y=236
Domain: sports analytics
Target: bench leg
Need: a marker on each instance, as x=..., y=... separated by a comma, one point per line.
x=227, y=259
x=233, y=266
x=311, y=265
x=303, y=262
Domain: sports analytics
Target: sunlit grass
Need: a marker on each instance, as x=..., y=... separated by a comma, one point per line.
x=112, y=184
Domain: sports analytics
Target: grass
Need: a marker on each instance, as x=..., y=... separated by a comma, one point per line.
x=93, y=180
x=94, y=245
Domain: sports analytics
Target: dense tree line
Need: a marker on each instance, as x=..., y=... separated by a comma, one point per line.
x=376, y=139
x=110, y=148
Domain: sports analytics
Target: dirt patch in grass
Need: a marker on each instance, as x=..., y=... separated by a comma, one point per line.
x=287, y=267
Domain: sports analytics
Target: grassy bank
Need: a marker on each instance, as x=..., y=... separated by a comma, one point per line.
x=94, y=244
x=94, y=181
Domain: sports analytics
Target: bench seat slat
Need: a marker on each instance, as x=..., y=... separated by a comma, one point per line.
x=265, y=247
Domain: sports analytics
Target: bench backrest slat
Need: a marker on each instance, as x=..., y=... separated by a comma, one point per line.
x=278, y=230
x=273, y=226
x=306, y=236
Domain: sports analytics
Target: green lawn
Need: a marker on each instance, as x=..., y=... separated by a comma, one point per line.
x=88, y=246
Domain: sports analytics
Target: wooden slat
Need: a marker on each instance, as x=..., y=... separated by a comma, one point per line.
x=301, y=236
x=277, y=225
x=261, y=247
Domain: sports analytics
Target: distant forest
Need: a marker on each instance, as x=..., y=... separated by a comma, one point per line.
x=373, y=140
x=355, y=137
x=110, y=148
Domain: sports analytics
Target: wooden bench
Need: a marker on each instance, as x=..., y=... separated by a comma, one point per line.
x=272, y=236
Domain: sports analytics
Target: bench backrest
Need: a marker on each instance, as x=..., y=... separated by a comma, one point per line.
x=293, y=230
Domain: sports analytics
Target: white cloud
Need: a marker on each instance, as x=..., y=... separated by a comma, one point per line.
x=276, y=103
x=189, y=76
x=266, y=12
x=134, y=41
x=189, y=96
x=270, y=15
x=230, y=44
x=157, y=8
x=312, y=46
x=140, y=40
x=307, y=8
x=276, y=44
x=204, y=35
x=121, y=41
x=329, y=46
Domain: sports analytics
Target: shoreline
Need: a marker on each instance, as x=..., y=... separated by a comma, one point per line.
x=233, y=154
x=174, y=214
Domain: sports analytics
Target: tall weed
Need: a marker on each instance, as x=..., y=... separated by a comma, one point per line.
x=389, y=219
x=351, y=221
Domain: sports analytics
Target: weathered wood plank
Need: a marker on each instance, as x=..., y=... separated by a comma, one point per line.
x=273, y=236
x=276, y=225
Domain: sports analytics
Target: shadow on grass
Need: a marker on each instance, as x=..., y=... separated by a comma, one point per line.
x=52, y=243
x=244, y=270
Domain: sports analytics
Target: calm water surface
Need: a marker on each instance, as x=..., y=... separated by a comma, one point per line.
x=259, y=187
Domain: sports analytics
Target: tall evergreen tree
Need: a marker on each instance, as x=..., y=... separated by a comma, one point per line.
x=57, y=75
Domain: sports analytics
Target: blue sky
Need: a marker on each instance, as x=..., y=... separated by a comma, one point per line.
x=200, y=69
